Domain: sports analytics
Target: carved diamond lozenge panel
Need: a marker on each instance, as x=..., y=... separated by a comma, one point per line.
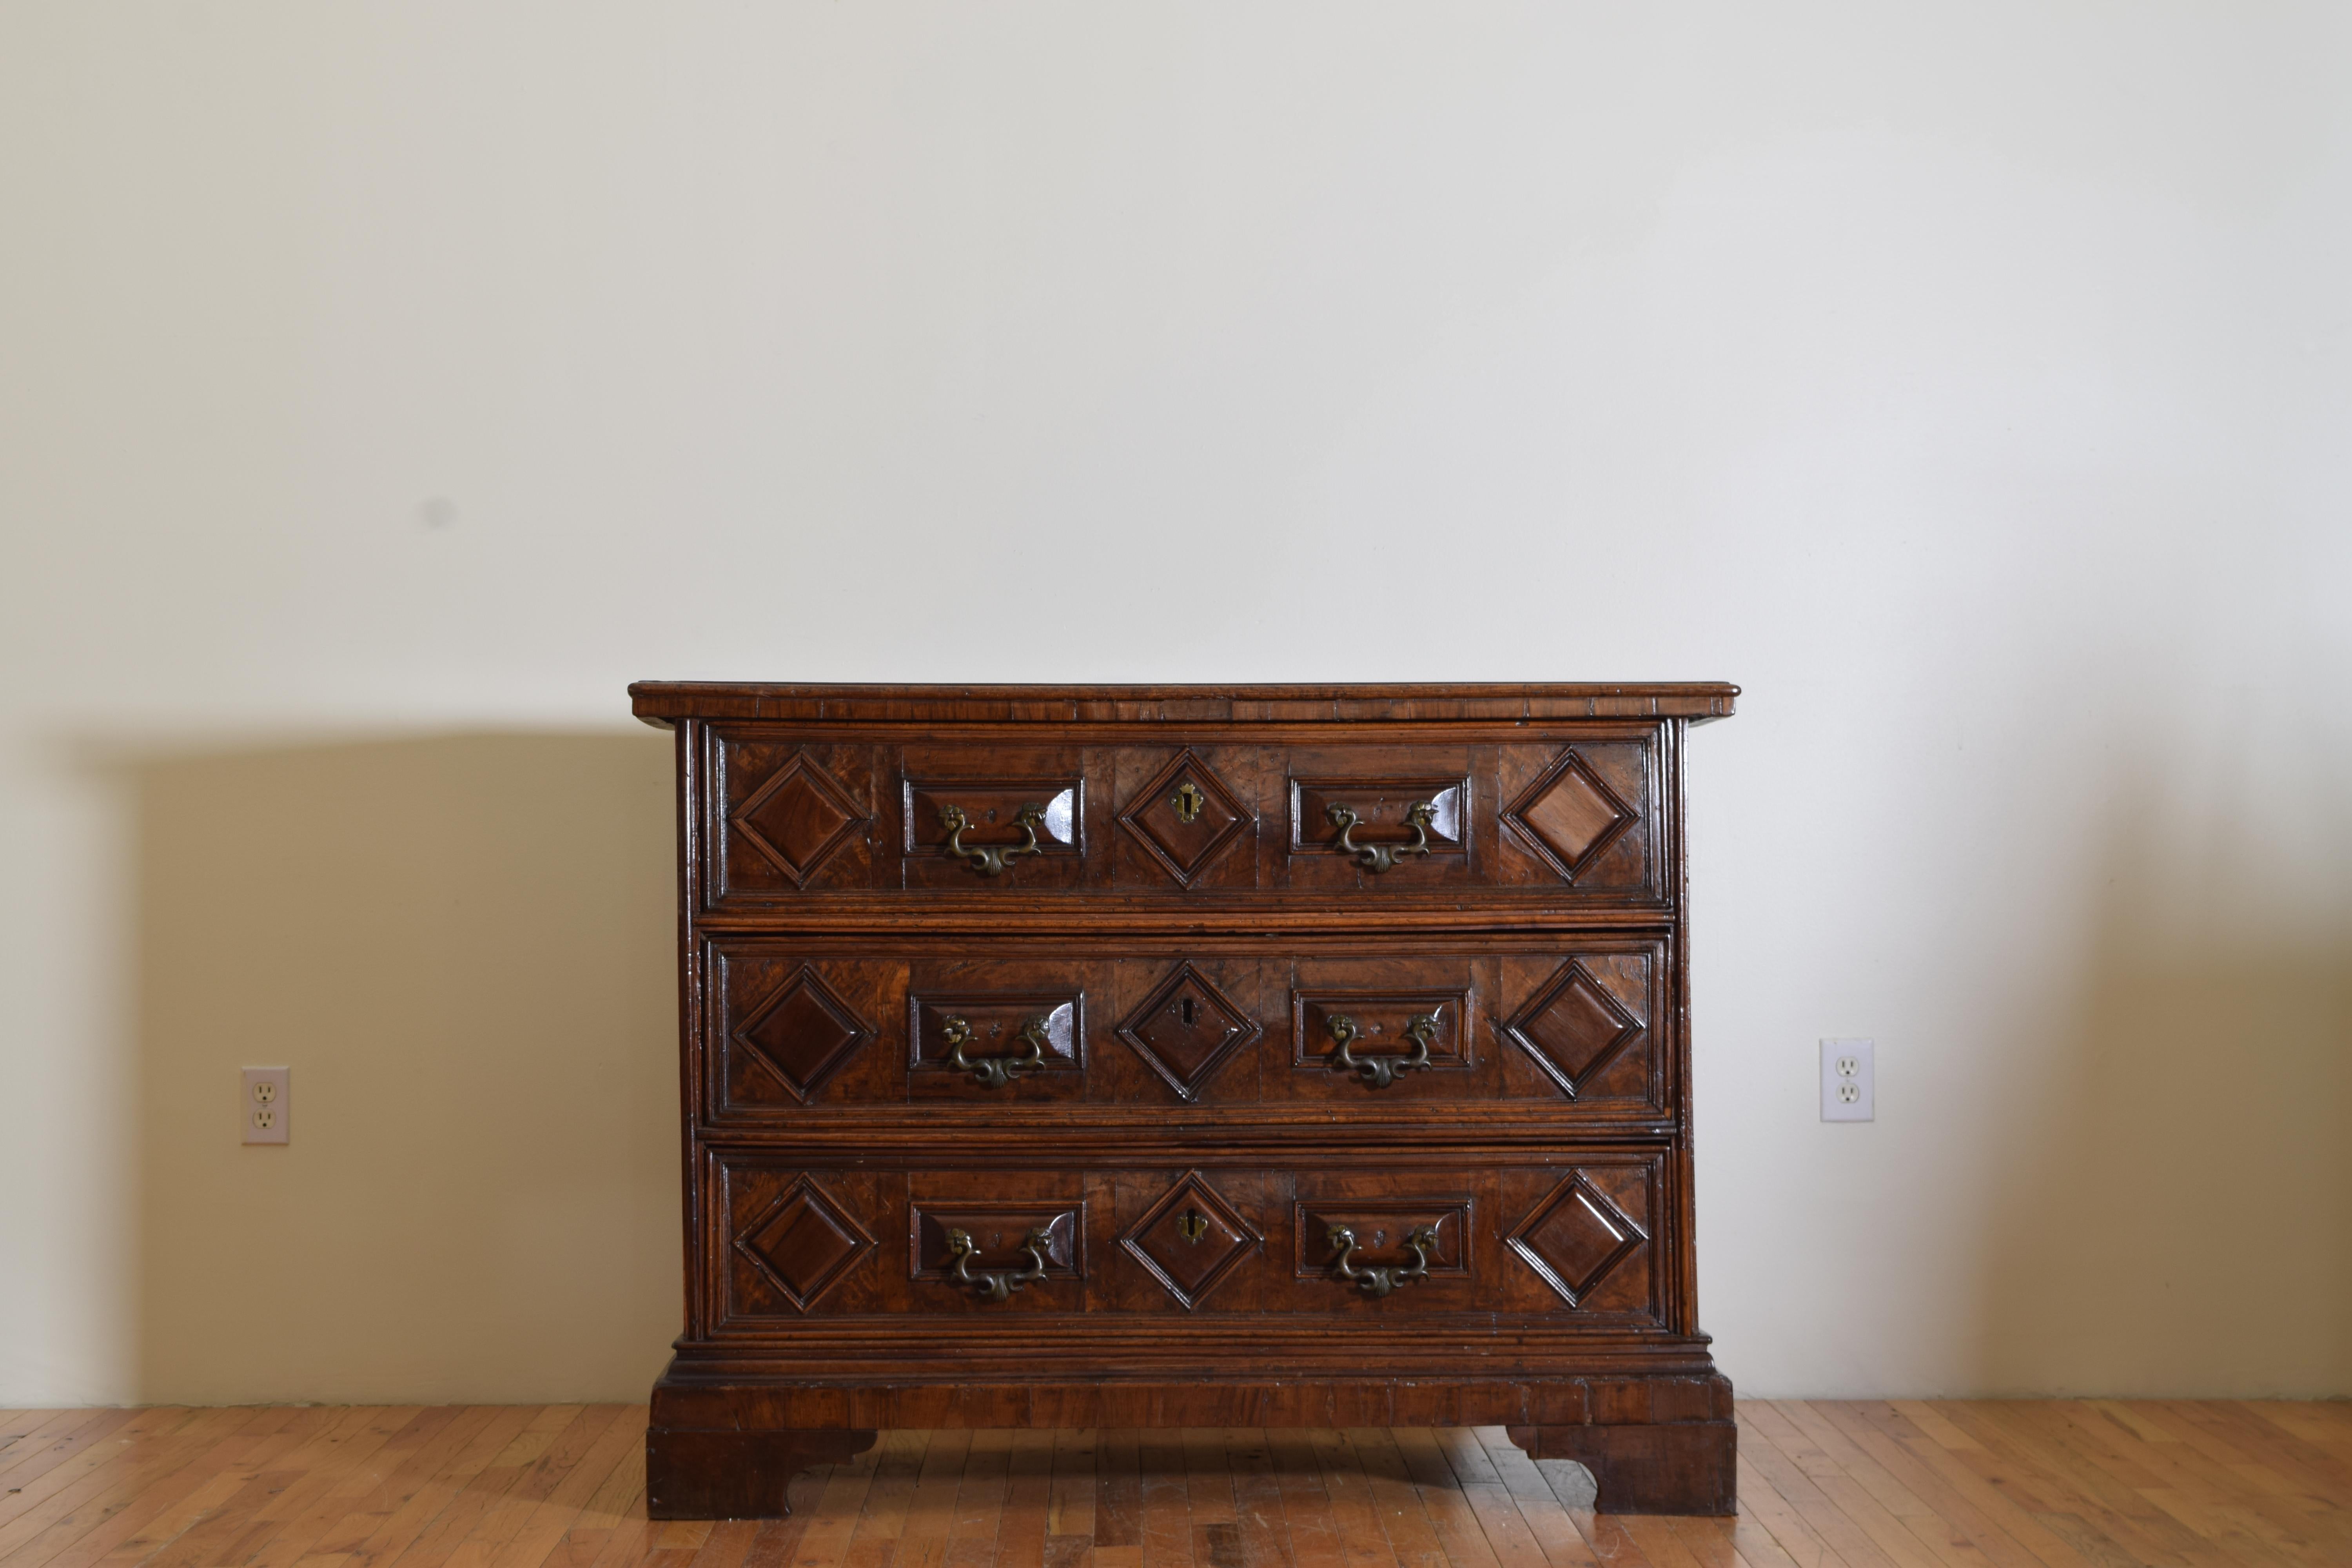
x=803, y=1034
x=803, y=1243
x=1185, y=818
x=1191, y=1239
x=1574, y=1237
x=798, y=819
x=1186, y=1029
x=1569, y=816
x=1573, y=1029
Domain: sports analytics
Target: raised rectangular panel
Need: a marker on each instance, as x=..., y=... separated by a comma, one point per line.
x=1381, y=810
x=1019, y=814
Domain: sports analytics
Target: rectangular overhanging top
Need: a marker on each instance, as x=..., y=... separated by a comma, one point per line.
x=663, y=701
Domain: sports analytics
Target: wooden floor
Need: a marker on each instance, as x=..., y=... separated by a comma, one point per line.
x=2044, y=1485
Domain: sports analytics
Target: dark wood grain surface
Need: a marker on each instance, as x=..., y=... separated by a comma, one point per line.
x=1164, y=1058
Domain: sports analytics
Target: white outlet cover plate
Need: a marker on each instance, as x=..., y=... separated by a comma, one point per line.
x=1848, y=1080
x=264, y=1104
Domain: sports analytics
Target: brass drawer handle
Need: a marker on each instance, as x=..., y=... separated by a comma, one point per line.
x=1380, y=1280
x=1378, y=858
x=997, y=1284
x=988, y=859
x=1381, y=1071
x=995, y=1072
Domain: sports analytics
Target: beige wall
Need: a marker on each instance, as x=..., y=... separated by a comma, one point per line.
x=464, y=947
x=381, y=387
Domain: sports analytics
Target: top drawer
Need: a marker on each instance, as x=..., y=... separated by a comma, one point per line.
x=789, y=812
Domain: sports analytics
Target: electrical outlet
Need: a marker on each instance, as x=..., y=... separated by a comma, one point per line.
x=263, y=1106
x=1848, y=1080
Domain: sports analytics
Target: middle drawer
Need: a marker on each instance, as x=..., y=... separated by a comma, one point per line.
x=1583, y=1024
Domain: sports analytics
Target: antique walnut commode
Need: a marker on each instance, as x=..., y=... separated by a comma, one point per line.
x=1161, y=1055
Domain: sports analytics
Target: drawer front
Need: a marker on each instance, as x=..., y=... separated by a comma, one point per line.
x=790, y=814
x=1584, y=1026
x=1581, y=1237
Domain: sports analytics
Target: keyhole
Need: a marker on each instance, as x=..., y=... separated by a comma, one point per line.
x=1379, y=1239
x=1193, y=1225
x=1184, y=1010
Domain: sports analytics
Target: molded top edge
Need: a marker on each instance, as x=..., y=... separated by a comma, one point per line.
x=661, y=701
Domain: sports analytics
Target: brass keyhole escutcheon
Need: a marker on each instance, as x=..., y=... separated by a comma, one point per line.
x=1192, y=1226
x=1188, y=801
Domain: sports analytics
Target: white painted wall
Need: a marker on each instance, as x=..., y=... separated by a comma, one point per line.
x=1969, y=381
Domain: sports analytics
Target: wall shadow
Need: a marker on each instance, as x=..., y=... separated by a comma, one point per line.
x=464, y=948
x=2171, y=1212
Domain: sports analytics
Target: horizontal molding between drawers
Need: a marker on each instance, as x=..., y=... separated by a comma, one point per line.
x=1349, y=1145
x=1168, y=931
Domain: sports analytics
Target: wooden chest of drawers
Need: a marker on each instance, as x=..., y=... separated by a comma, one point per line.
x=1124, y=1056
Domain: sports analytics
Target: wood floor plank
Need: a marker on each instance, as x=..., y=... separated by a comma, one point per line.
x=980, y=1501
x=1779, y=1518
x=289, y=1527
x=1167, y=1504
x=1937, y=1448
x=125, y=1466
x=1547, y=1518
x=95, y=1526
x=1070, y=1500
x=775, y=1544
x=1396, y=1499
x=1790, y=1480
x=479, y=1442
x=1450, y=1518
x=480, y=1507
x=1946, y=1538
x=1984, y=1529
x=931, y=1508
x=1349, y=1496
x=20, y=1424
x=1264, y=1534
x=2306, y=1466
x=1845, y=1491
x=1862, y=1484
x=1208, y=1479
x=830, y=1502
x=557, y=1508
x=2127, y=1476
x=1508, y=1534
x=2250, y=1524
x=55, y=1443
x=729, y=1543
x=2124, y=1525
x=163, y=1519
x=1028, y=1494
x=260, y=1481
x=898, y=1463
x=67, y=1469
x=377, y=1495
x=1655, y=1536
x=1119, y=1491
x=1306, y=1505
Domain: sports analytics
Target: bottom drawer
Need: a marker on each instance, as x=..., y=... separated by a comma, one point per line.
x=1583, y=1236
